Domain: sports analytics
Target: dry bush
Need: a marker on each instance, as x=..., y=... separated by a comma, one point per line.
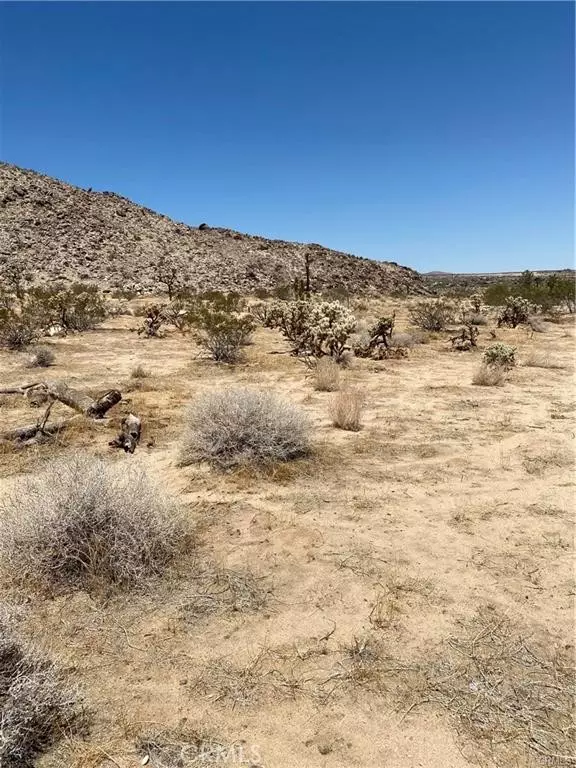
x=43, y=357
x=240, y=427
x=36, y=707
x=514, y=700
x=541, y=360
x=220, y=590
x=84, y=522
x=346, y=410
x=489, y=376
x=139, y=372
x=326, y=375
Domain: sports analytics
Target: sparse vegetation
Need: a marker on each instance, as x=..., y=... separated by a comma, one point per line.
x=432, y=314
x=37, y=707
x=239, y=427
x=84, y=523
x=346, y=410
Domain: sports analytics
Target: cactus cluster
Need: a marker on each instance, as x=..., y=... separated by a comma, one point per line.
x=501, y=355
x=313, y=328
x=516, y=310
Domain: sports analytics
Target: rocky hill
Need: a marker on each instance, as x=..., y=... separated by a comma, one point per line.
x=65, y=233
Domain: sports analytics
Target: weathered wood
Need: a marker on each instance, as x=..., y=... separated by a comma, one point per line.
x=31, y=430
x=78, y=401
x=129, y=437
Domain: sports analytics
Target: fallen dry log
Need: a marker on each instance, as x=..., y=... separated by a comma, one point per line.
x=129, y=437
x=23, y=434
x=51, y=392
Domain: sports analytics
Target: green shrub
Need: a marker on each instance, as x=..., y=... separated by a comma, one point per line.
x=221, y=326
x=432, y=314
x=78, y=307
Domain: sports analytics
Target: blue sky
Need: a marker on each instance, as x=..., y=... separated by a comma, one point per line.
x=437, y=135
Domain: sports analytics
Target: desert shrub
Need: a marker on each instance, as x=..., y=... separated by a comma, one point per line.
x=517, y=310
x=432, y=314
x=542, y=360
x=139, y=372
x=489, y=376
x=84, y=522
x=402, y=340
x=313, y=328
x=547, y=292
x=36, y=706
x=221, y=325
x=237, y=427
x=501, y=355
x=346, y=410
x=78, y=307
x=466, y=339
x=260, y=312
x=43, y=357
x=326, y=375
x=17, y=332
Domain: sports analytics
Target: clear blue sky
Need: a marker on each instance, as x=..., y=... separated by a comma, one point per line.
x=438, y=135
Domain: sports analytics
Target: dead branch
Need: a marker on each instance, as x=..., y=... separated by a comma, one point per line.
x=129, y=437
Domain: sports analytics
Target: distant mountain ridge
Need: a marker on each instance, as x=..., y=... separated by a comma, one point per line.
x=65, y=233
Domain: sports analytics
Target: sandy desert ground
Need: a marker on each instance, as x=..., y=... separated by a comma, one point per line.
x=340, y=611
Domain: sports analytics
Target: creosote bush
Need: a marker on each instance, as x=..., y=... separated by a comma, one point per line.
x=346, y=410
x=36, y=706
x=326, y=375
x=432, y=314
x=239, y=427
x=221, y=325
x=77, y=307
x=502, y=355
x=17, y=332
x=84, y=523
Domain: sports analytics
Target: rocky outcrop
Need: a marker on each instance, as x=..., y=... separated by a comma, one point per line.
x=64, y=233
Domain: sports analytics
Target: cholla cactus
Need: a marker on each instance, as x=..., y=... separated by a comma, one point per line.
x=313, y=328
x=475, y=300
x=466, y=338
x=502, y=355
x=516, y=310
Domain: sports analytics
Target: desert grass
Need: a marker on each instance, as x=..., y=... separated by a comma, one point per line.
x=346, y=410
x=489, y=376
x=326, y=375
x=541, y=360
x=139, y=372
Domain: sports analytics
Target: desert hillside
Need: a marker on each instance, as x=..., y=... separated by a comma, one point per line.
x=66, y=233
